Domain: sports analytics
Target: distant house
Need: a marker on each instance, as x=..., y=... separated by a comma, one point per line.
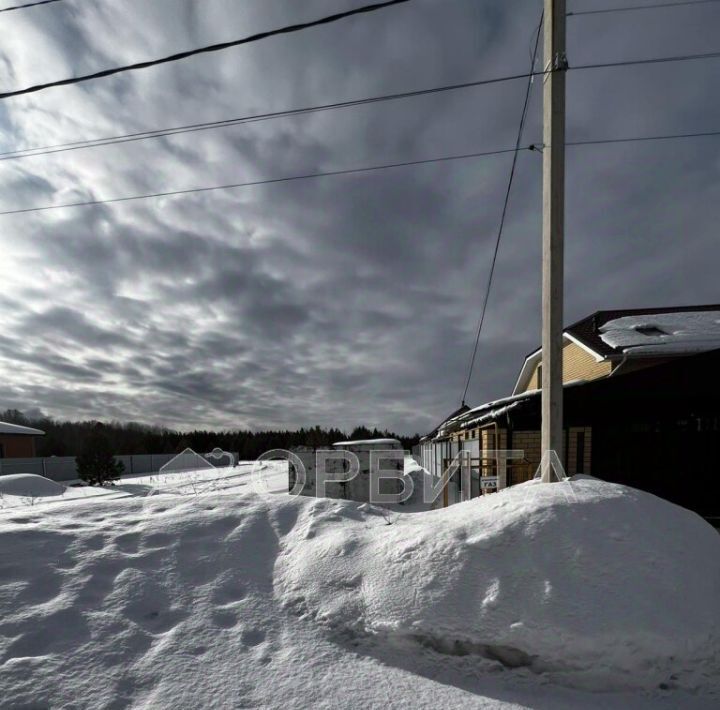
x=641, y=407
x=17, y=441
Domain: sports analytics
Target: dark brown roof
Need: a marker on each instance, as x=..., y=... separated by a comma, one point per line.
x=587, y=330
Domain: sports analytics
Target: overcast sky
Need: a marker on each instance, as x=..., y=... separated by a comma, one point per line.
x=342, y=300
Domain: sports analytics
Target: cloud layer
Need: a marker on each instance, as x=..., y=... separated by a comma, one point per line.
x=342, y=300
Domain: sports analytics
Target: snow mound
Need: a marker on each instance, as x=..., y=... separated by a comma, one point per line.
x=29, y=485
x=596, y=584
x=235, y=599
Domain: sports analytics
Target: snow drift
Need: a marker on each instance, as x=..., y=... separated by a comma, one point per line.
x=29, y=485
x=234, y=599
x=594, y=583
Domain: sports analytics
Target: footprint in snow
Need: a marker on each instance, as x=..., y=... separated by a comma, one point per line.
x=252, y=637
x=224, y=619
x=128, y=542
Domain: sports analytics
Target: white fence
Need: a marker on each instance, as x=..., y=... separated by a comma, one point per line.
x=63, y=468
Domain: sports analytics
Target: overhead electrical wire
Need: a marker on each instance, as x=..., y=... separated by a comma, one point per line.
x=633, y=8
x=289, y=29
x=643, y=139
x=270, y=181
x=211, y=125
x=503, y=216
x=190, y=128
x=651, y=60
x=158, y=133
x=28, y=5
x=43, y=150
x=351, y=171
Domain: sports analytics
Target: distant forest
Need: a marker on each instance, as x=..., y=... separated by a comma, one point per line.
x=67, y=438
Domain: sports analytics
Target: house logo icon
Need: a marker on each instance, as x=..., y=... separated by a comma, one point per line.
x=221, y=457
x=189, y=460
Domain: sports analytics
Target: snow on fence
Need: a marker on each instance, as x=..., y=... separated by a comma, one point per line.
x=63, y=468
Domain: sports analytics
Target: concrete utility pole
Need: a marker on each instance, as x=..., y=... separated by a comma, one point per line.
x=553, y=232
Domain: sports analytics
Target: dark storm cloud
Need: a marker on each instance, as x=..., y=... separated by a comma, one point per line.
x=341, y=300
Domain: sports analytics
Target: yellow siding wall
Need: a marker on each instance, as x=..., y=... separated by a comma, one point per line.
x=578, y=364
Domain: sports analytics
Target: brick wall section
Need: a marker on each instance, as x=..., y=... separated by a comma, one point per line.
x=529, y=443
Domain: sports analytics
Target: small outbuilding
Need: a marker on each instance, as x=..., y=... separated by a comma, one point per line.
x=17, y=442
x=389, y=454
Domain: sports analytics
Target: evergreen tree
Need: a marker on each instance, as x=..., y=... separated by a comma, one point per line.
x=96, y=463
x=70, y=438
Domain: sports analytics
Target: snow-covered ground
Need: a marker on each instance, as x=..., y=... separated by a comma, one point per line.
x=197, y=590
x=22, y=490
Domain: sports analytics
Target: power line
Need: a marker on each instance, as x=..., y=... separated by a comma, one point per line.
x=210, y=125
x=206, y=49
x=632, y=8
x=350, y=171
x=642, y=139
x=523, y=118
x=652, y=60
x=30, y=4
x=190, y=128
x=308, y=176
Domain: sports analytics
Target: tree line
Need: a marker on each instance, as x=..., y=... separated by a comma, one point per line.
x=64, y=438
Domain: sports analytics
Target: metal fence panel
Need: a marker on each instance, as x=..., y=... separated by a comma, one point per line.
x=64, y=468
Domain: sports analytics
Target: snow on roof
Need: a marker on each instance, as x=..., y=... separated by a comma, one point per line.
x=489, y=416
x=492, y=410
x=501, y=402
x=7, y=428
x=369, y=442
x=487, y=409
x=664, y=333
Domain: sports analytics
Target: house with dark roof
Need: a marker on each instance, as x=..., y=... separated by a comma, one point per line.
x=17, y=441
x=641, y=407
x=608, y=343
